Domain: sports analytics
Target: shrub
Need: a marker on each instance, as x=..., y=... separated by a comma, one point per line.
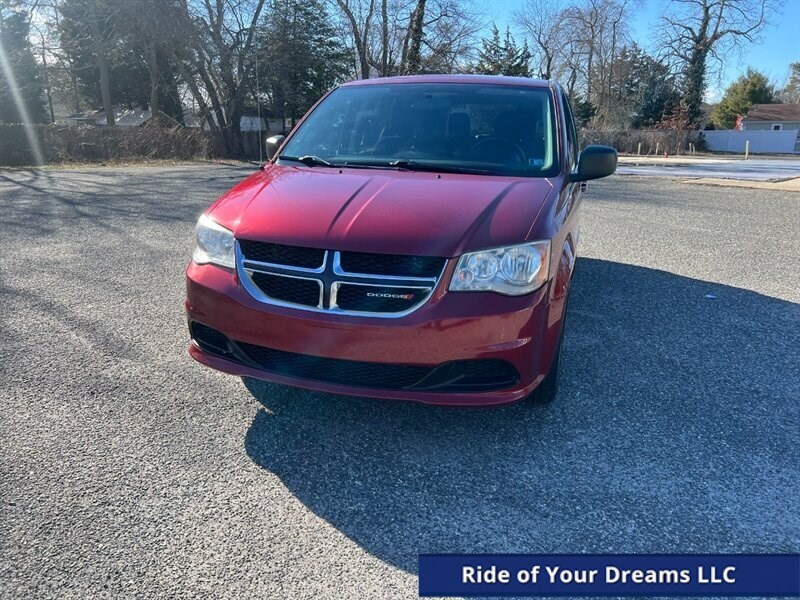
x=60, y=143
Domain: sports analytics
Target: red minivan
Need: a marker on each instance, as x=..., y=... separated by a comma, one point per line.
x=413, y=238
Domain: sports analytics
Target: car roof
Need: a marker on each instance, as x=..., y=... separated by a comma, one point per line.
x=485, y=79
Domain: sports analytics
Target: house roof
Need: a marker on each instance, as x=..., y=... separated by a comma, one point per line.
x=123, y=117
x=774, y=112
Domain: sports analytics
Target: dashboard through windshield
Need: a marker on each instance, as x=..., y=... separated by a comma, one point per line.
x=450, y=127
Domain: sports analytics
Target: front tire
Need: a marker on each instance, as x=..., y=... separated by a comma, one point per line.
x=547, y=390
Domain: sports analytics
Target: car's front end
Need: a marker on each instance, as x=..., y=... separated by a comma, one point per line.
x=413, y=239
x=386, y=327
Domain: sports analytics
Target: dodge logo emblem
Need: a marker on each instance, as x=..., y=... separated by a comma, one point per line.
x=399, y=296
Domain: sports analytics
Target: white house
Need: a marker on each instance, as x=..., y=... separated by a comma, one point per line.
x=774, y=117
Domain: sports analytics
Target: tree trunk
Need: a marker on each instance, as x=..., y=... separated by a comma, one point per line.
x=205, y=112
x=47, y=88
x=412, y=60
x=695, y=69
x=384, y=39
x=212, y=95
x=102, y=65
x=694, y=84
x=155, y=91
x=233, y=132
x=359, y=41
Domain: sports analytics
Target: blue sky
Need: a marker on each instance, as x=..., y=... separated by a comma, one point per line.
x=779, y=45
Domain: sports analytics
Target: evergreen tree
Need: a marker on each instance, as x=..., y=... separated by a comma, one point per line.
x=129, y=81
x=121, y=35
x=18, y=51
x=643, y=89
x=503, y=58
x=791, y=93
x=751, y=88
x=582, y=111
x=302, y=56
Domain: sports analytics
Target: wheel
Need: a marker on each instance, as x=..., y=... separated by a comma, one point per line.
x=547, y=390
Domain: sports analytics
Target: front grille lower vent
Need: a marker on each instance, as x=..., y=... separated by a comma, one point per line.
x=476, y=375
x=333, y=370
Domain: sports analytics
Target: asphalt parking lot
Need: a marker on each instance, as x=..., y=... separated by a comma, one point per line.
x=128, y=470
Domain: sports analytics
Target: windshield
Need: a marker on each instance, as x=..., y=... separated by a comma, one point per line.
x=477, y=128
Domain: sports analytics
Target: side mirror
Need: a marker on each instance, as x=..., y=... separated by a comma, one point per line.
x=595, y=162
x=273, y=145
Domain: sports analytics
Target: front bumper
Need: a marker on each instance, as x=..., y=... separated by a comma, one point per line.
x=450, y=327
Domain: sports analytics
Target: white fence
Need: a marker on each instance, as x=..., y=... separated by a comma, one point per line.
x=760, y=141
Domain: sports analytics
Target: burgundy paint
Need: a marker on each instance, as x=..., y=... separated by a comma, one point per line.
x=402, y=213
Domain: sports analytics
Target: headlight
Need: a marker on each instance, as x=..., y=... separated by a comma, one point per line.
x=513, y=270
x=213, y=244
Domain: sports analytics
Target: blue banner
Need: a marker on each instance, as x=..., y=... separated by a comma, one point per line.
x=609, y=575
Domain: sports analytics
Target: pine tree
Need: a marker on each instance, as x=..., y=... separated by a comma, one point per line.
x=506, y=58
x=129, y=82
x=20, y=59
x=643, y=91
x=517, y=60
x=791, y=93
x=751, y=88
x=302, y=55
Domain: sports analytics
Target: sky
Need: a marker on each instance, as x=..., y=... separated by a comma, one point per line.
x=779, y=45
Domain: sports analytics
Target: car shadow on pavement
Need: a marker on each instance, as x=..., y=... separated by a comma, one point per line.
x=675, y=430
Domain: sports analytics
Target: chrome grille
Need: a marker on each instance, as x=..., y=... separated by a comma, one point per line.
x=299, y=290
x=354, y=283
x=278, y=254
x=397, y=264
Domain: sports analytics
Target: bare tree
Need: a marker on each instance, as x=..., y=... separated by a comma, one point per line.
x=599, y=27
x=219, y=37
x=384, y=64
x=151, y=23
x=100, y=37
x=579, y=43
x=412, y=45
x=359, y=15
x=451, y=29
x=698, y=31
x=542, y=22
x=390, y=37
x=61, y=72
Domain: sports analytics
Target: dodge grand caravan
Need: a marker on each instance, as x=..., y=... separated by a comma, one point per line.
x=412, y=238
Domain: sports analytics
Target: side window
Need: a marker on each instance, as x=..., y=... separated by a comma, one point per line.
x=572, y=134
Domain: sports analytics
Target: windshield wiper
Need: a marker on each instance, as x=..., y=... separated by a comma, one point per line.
x=310, y=160
x=413, y=165
x=401, y=164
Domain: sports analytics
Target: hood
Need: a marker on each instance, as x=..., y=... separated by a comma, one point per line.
x=371, y=210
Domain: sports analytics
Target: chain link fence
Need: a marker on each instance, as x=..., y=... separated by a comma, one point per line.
x=646, y=142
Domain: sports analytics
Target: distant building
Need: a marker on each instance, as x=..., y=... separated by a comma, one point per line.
x=774, y=117
x=250, y=120
x=123, y=117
